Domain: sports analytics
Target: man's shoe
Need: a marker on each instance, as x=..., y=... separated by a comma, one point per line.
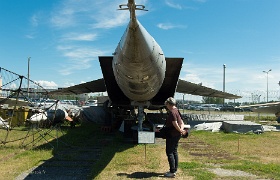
x=169, y=174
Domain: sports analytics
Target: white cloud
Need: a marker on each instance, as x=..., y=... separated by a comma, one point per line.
x=200, y=1
x=47, y=84
x=196, y=76
x=111, y=20
x=11, y=86
x=167, y=26
x=63, y=15
x=29, y=36
x=34, y=20
x=68, y=84
x=100, y=14
x=80, y=52
x=173, y=5
x=79, y=37
x=78, y=58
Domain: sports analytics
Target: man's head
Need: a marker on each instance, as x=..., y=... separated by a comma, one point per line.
x=170, y=101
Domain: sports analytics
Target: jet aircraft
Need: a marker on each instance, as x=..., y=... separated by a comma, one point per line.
x=138, y=75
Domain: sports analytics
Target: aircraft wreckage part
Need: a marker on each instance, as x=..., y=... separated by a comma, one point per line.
x=213, y=117
x=235, y=126
x=97, y=114
x=267, y=128
x=214, y=126
x=268, y=109
x=242, y=127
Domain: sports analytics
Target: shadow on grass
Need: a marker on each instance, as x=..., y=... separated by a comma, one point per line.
x=81, y=153
x=141, y=175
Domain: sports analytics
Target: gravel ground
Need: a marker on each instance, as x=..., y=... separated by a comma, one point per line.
x=232, y=173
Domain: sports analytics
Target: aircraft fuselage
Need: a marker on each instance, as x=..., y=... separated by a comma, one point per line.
x=138, y=63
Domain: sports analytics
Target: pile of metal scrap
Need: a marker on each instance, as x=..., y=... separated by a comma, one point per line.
x=214, y=127
x=235, y=127
x=242, y=127
x=4, y=123
x=213, y=117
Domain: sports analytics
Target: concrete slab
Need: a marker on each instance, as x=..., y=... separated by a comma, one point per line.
x=242, y=127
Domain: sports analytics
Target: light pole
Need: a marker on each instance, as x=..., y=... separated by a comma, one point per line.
x=224, y=81
x=279, y=94
x=28, y=69
x=183, y=103
x=267, y=83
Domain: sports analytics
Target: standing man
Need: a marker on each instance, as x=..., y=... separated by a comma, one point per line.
x=176, y=125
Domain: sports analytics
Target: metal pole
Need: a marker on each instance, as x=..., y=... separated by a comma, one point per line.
x=267, y=87
x=183, y=103
x=28, y=69
x=224, y=80
x=279, y=91
x=267, y=83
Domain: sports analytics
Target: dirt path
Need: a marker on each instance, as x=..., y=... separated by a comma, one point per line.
x=200, y=149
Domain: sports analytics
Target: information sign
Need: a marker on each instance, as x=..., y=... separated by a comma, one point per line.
x=146, y=137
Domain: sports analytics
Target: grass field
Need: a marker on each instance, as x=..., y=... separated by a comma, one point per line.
x=201, y=154
x=258, y=155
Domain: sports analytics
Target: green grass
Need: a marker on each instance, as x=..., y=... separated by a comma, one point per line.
x=197, y=170
x=269, y=170
x=256, y=154
x=256, y=118
x=15, y=158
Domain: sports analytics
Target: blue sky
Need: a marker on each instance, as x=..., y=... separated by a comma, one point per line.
x=64, y=39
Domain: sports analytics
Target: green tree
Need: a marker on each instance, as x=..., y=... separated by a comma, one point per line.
x=212, y=100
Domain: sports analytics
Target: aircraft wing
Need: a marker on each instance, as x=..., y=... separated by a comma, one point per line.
x=270, y=108
x=182, y=87
x=88, y=87
x=196, y=89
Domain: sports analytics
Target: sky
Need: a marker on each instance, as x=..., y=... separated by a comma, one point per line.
x=64, y=39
